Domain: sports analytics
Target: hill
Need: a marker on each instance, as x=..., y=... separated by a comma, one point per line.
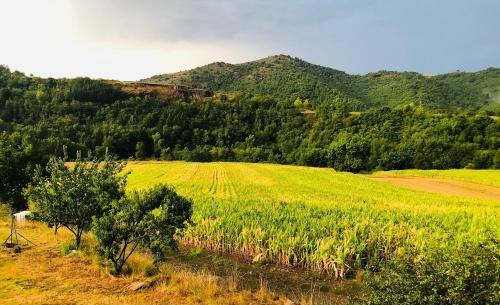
x=290, y=78
x=173, y=122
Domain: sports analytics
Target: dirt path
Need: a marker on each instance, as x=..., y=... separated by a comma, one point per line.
x=444, y=186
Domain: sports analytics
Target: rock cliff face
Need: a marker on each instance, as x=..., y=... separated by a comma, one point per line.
x=166, y=90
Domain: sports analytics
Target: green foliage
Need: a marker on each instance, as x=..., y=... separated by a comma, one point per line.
x=486, y=83
x=18, y=156
x=247, y=128
x=463, y=275
x=293, y=79
x=140, y=151
x=71, y=196
x=68, y=247
x=148, y=219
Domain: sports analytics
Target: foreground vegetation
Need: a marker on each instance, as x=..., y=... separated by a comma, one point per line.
x=89, y=194
x=50, y=273
x=401, y=244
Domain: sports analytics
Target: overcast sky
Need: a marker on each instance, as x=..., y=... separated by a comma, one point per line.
x=133, y=39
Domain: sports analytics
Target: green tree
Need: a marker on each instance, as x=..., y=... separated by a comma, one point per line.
x=148, y=219
x=18, y=159
x=158, y=143
x=140, y=151
x=70, y=195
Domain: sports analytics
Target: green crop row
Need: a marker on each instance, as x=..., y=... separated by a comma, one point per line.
x=316, y=218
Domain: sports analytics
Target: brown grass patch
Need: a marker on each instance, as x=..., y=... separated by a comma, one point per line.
x=444, y=186
x=42, y=275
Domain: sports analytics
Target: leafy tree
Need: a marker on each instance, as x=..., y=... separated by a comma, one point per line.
x=147, y=219
x=344, y=131
x=483, y=159
x=140, y=151
x=70, y=195
x=18, y=158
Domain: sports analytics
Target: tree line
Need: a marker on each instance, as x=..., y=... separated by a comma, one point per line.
x=96, y=115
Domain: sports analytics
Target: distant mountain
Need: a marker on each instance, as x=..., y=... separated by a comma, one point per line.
x=290, y=78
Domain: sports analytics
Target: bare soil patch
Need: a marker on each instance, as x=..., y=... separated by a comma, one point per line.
x=444, y=186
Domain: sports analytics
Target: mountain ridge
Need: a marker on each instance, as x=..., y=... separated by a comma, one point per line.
x=288, y=77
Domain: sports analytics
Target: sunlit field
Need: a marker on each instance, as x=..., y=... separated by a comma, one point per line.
x=483, y=176
x=317, y=218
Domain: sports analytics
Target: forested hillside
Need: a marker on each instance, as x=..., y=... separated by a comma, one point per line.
x=43, y=115
x=289, y=78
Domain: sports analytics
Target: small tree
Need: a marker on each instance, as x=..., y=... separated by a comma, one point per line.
x=18, y=159
x=148, y=219
x=70, y=196
x=140, y=151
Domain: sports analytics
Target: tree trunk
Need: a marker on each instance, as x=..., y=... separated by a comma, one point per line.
x=118, y=266
x=78, y=237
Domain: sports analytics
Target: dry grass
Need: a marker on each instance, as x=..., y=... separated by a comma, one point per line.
x=42, y=275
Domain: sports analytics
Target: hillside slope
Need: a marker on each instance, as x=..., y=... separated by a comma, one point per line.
x=290, y=78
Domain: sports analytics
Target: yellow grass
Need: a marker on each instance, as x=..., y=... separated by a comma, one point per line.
x=42, y=275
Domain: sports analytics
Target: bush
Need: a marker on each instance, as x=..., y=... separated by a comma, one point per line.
x=148, y=219
x=461, y=276
x=68, y=247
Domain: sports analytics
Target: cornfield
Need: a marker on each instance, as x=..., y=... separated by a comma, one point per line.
x=315, y=218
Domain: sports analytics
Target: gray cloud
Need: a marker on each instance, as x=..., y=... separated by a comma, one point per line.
x=358, y=36
x=181, y=20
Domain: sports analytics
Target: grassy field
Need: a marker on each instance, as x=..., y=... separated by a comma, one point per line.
x=483, y=176
x=317, y=218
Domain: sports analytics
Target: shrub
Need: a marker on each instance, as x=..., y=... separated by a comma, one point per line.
x=68, y=247
x=148, y=219
x=463, y=275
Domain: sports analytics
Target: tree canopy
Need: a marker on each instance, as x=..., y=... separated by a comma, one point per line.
x=69, y=196
x=334, y=132
x=148, y=219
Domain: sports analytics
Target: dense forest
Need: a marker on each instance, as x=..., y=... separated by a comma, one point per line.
x=44, y=115
x=289, y=78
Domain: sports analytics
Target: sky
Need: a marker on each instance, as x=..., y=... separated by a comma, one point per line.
x=130, y=40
